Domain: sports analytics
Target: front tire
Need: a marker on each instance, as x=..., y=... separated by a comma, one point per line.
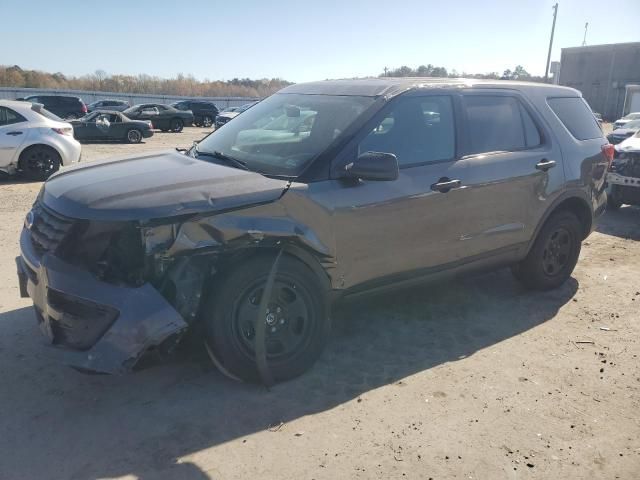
x=297, y=322
x=554, y=253
x=177, y=125
x=39, y=162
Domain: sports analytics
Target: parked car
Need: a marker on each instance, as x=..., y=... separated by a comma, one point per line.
x=108, y=126
x=624, y=132
x=229, y=113
x=624, y=174
x=251, y=241
x=163, y=117
x=620, y=123
x=111, y=105
x=33, y=141
x=204, y=112
x=598, y=118
x=63, y=106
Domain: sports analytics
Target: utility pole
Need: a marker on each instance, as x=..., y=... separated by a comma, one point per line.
x=553, y=29
x=584, y=40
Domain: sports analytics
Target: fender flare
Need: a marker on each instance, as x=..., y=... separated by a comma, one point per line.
x=566, y=198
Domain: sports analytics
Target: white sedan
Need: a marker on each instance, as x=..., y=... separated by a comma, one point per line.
x=34, y=141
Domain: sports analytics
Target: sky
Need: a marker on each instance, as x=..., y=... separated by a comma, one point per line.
x=300, y=40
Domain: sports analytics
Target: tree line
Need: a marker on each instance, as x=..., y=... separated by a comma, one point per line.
x=518, y=73
x=183, y=85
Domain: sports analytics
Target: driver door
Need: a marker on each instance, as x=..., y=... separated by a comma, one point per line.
x=405, y=226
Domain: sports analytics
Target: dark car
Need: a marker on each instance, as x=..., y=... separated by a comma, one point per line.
x=163, y=117
x=110, y=126
x=320, y=192
x=232, y=112
x=63, y=106
x=204, y=112
x=111, y=105
x=621, y=134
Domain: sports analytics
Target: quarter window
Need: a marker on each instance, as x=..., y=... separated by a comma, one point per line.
x=576, y=115
x=9, y=117
x=416, y=129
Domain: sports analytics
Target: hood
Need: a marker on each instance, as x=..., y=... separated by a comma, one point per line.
x=155, y=186
x=631, y=144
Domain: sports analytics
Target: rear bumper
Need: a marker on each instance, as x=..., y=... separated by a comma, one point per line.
x=102, y=327
x=147, y=133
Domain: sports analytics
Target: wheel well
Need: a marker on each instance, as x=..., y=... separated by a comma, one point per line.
x=298, y=253
x=31, y=147
x=580, y=209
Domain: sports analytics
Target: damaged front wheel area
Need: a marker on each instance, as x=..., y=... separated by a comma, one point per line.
x=296, y=320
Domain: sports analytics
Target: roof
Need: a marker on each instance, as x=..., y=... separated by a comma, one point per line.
x=15, y=103
x=604, y=46
x=390, y=86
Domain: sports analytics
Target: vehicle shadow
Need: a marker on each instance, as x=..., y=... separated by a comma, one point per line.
x=58, y=423
x=624, y=223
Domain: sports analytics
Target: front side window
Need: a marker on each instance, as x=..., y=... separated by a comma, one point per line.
x=284, y=133
x=416, y=130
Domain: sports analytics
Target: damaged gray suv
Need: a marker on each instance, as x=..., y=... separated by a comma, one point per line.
x=321, y=191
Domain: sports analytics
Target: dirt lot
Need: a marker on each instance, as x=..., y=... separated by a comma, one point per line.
x=476, y=379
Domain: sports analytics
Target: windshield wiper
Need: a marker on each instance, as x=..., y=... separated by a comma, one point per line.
x=224, y=157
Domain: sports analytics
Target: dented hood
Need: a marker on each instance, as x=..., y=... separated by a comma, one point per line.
x=155, y=186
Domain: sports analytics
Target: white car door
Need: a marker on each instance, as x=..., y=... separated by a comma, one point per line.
x=13, y=131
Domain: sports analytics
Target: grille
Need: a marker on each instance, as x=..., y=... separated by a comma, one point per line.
x=48, y=230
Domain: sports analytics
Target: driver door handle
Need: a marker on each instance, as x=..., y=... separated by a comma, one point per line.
x=445, y=184
x=545, y=164
x=14, y=133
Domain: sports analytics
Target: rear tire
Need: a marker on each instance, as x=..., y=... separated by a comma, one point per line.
x=134, y=136
x=297, y=325
x=177, y=124
x=39, y=162
x=207, y=121
x=554, y=254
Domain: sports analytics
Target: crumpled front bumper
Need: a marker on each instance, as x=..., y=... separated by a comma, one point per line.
x=105, y=328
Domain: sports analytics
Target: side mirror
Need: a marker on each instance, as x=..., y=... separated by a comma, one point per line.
x=374, y=166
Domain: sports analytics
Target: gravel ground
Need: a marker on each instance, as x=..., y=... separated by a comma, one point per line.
x=475, y=379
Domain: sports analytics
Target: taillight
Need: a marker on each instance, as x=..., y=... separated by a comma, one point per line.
x=63, y=131
x=84, y=108
x=608, y=151
x=151, y=125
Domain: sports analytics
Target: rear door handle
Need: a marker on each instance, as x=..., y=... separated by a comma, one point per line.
x=445, y=184
x=545, y=164
x=14, y=133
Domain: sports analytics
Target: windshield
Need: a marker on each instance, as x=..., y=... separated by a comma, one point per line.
x=632, y=116
x=284, y=133
x=633, y=124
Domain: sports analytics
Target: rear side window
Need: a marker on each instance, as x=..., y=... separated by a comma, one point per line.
x=498, y=124
x=576, y=115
